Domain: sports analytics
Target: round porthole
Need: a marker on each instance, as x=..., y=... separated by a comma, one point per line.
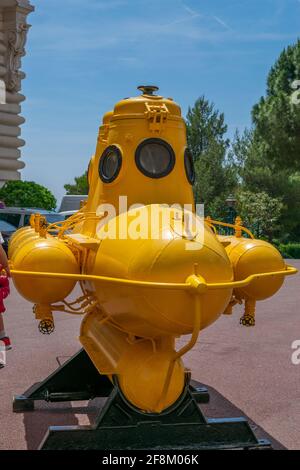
x=110, y=164
x=155, y=158
x=189, y=166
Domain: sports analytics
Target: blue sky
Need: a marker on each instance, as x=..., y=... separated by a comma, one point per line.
x=85, y=55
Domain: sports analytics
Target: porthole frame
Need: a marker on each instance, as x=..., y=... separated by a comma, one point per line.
x=155, y=140
x=188, y=155
x=107, y=151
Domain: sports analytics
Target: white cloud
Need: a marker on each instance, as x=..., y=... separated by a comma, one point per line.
x=189, y=10
x=222, y=23
x=109, y=5
x=90, y=4
x=261, y=36
x=107, y=33
x=181, y=20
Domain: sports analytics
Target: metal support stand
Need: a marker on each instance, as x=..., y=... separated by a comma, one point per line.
x=121, y=426
x=76, y=379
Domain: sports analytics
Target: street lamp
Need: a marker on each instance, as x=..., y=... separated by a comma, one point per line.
x=231, y=203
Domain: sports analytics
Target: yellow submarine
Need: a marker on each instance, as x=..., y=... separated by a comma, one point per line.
x=141, y=293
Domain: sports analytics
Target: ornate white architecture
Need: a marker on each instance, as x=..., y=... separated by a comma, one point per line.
x=13, y=32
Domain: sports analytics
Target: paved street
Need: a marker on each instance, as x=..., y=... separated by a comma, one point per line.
x=249, y=370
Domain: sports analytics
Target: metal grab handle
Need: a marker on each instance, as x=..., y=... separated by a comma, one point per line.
x=182, y=351
x=202, y=285
x=212, y=223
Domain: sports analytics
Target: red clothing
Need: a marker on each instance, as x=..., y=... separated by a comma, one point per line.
x=4, y=291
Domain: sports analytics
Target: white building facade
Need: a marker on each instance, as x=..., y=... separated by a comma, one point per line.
x=13, y=34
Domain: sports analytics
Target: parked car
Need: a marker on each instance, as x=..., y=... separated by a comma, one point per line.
x=13, y=218
x=7, y=230
x=19, y=217
x=67, y=214
x=72, y=202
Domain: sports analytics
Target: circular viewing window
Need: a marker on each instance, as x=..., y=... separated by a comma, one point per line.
x=155, y=158
x=110, y=164
x=189, y=166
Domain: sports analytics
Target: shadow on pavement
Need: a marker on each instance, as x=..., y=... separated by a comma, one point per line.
x=36, y=422
x=220, y=407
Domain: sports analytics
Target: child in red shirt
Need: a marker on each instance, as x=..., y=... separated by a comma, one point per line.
x=4, y=291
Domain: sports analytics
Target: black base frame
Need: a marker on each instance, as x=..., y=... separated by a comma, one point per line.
x=121, y=426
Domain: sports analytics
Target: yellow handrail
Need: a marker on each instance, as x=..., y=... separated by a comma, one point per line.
x=202, y=285
x=234, y=226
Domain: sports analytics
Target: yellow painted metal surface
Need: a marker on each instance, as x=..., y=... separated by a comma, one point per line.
x=126, y=127
x=49, y=255
x=252, y=257
x=23, y=233
x=140, y=293
x=114, y=353
x=167, y=313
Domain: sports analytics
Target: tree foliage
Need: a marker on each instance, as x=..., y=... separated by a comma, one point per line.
x=260, y=212
x=205, y=125
x=276, y=117
x=215, y=176
x=80, y=186
x=268, y=156
x=27, y=194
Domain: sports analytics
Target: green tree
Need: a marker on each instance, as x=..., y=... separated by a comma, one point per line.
x=276, y=117
x=260, y=213
x=257, y=174
x=27, y=194
x=205, y=124
x=215, y=173
x=80, y=187
x=268, y=156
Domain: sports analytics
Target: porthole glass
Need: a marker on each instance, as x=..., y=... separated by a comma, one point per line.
x=110, y=164
x=155, y=158
x=189, y=166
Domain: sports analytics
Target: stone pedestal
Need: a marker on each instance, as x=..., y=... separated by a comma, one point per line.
x=13, y=32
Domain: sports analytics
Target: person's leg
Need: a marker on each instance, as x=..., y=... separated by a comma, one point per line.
x=2, y=346
x=2, y=330
x=4, y=265
x=3, y=337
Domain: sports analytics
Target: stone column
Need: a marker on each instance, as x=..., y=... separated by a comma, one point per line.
x=13, y=32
